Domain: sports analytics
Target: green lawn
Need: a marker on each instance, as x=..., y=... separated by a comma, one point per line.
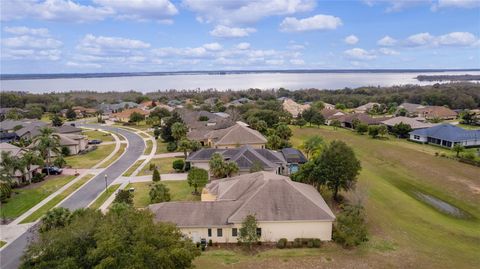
x=26, y=197
x=179, y=191
x=148, y=148
x=133, y=168
x=91, y=158
x=104, y=196
x=94, y=134
x=161, y=147
x=120, y=151
x=164, y=166
x=57, y=199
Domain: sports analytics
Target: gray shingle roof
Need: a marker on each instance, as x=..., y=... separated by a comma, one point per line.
x=65, y=129
x=268, y=196
x=292, y=155
x=414, y=124
x=237, y=135
x=448, y=132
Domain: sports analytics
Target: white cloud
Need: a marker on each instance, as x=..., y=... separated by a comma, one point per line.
x=170, y=52
x=83, y=65
x=225, y=31
x=30, y=42
x=351, y=40
x=22, y=30
x=54, y=10
x=107, y=45
x=359, y=54
x=457, y=4
x=387, y=41
x=31, y=54
x=397, y=5
x=420, y=39
x=141, y=9
x=240, y=12
x=243, y=46
x=297, y=61
x=274, y=62
x=213, y=46
x=456, y=39
x=296, y=47
x=386, y=51
x=317, y=22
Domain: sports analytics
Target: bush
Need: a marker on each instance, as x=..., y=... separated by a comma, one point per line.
x=171, y=146
x=38, y=177
x=65, y=151
x=317, y=243
x=297, y=243
x=469, y=156
x=156, y=176
x=310, y=243
x=152, y=166
x=124, y=196
x=178, y=165
x=350, y=229
x=282, y=243
x=203, y=118
x=210, y=243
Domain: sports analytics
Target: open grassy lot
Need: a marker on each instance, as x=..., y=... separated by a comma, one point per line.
x=24, y=198
x=94, y=134
x=117, y=155
x=57, y=199
x=148, y=147
x=179, y=191
x=161, y=147
x=164, y=166
x=104, y=196
x=91, y=158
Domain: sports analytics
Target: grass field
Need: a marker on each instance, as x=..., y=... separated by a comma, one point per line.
x=24, y=198
x=104, y=196
x=94, y=134
x=117, y=155
x=91, y=158
x=57, y=199
x=148, y=148
x=161, y=147
x=404, y=231
x=179, y=191
x=164, y=166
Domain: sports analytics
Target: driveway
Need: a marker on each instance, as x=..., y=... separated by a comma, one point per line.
x=11, y=254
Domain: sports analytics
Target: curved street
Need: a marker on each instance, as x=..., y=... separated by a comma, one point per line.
x=11, y=254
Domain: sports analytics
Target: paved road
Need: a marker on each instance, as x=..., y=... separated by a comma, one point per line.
x=10, y=256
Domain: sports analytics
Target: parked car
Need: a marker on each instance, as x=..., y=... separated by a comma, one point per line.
x=94, y=142
x=52, y=170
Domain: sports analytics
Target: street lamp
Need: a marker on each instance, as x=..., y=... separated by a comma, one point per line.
x=106, y=178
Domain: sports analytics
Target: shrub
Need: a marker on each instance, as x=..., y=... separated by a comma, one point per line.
x=469, y=156
x=156, y=176
x=178, y=165
x=171, y=146
x=124, y=196
x=317, y=243
x=350, y=229
x=38, y=177
x=310, y=243
x=282, y=243
x=152, y=166
x=210, y=243
x=297, y=243
x=65, y=151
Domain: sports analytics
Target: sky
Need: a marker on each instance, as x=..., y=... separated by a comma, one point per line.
x=91, y=36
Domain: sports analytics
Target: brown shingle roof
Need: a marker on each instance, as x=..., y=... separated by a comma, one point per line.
x=237, y=135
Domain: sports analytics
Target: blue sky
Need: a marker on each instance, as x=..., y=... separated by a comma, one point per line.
x=63, y=36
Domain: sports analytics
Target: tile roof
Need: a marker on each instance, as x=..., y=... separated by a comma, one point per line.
x=237, y=134
x=269, y=196
x=448, y=132
x=414, y=124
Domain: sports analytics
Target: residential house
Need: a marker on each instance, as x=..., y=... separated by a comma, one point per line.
x=410, y=108
x=18, y=152
x=203, y=120
x=294, y=159
x=124, y=116
x=10, y=126
x=437, y=112
x=68, y=129
x=348, y=121
x=331, y=114
x=84, y=112
x=293, y=107
x=283, y=209
x=74, y=142
x=232, y=137
x=239, y=102
x=365, y=108
x=414, y=124
x=113, y=108
x=446, y=135
x=245, y=157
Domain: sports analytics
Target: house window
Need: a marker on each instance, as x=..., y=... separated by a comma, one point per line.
x=234, y=231
x=219, y=233
x=209, y=232
x=416, y=137
x=259, y=232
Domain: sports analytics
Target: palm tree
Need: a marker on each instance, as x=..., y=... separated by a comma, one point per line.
x=30, y=158
x=47, y=142
x=11, y=164
x=5, y=185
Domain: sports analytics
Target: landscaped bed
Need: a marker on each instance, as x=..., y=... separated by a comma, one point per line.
x=57, y=199
x=90, y=159
x=24, y=198
x=179, y=191
x=164, y=166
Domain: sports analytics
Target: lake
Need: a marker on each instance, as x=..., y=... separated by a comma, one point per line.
x=234, y=81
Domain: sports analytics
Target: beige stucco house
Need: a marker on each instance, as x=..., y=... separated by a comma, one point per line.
x=283, y=209
x=15, y=151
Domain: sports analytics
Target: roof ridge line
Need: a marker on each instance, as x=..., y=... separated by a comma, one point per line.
x=298, y=190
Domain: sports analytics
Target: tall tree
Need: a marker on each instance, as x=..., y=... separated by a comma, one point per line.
x=197, y=178
x=55, y=218
x=159, y=193
x=47, y=143
x=179, y=131
x=70, y=114
x=122, y=238
x=56, y=120
x=401, y=129
x=312, y=145
x=136, y=117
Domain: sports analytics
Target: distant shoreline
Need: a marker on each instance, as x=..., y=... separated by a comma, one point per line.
x=219, y=73
x=465, y=77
